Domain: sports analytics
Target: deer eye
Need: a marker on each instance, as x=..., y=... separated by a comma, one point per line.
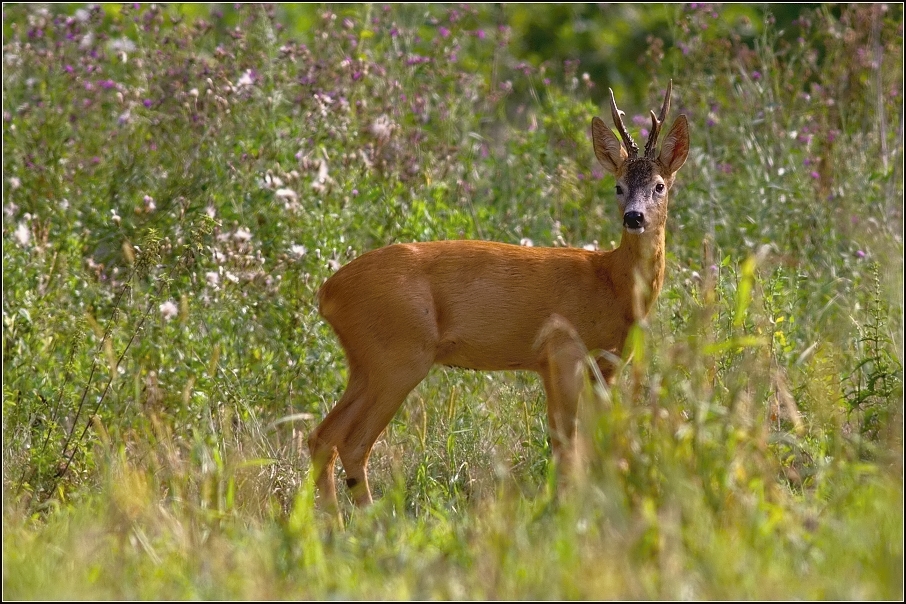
x=619, y=190
x=659, y=187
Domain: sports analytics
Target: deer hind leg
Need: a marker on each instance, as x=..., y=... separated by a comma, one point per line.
x=324, y=440
x=563, y=356
x=371, y=413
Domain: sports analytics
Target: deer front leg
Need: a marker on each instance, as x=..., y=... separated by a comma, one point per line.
x=563, y=376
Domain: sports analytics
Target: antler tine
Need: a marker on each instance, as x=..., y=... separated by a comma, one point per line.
x=657, y=122
x=631, y=147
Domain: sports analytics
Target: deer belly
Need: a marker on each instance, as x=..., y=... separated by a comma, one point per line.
x=489, y=341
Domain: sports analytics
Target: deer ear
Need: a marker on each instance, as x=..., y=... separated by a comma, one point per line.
x=676, y=146
x=608, y=149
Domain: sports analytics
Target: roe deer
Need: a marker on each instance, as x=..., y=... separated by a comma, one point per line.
x=401, y=309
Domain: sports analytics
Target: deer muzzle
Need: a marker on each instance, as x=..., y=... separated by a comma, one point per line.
x=634, y=222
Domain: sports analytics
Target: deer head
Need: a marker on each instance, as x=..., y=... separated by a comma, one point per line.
x=642, y=182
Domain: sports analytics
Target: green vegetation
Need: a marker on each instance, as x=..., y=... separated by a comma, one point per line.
x=178, y=182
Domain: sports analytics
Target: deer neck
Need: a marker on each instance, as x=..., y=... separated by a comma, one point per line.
x=642, y=260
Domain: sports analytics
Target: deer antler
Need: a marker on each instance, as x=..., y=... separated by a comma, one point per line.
x=657, y=122
x=631, y=147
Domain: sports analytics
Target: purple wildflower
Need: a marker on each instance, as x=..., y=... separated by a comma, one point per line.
x=417, y=60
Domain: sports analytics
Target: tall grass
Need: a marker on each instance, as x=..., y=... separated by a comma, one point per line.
x=176, y=186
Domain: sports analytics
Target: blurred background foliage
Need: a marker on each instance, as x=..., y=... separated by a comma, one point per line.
x=617, y=44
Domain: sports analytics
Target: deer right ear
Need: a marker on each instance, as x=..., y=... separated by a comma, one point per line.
x=608, y=149
x=676, y=146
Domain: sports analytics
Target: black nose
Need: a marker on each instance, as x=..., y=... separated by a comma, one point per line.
x=633, y=220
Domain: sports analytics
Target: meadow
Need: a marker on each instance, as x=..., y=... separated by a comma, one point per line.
x=179, y=180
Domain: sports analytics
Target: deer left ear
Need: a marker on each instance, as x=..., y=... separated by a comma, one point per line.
x=676, y=146
x=608, y=149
